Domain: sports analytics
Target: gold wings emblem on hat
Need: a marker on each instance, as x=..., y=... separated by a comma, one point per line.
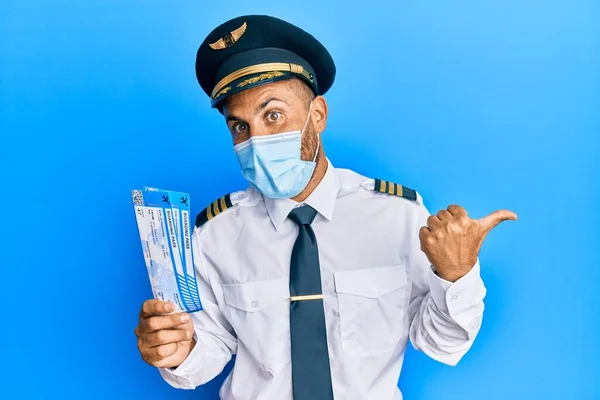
x=229, y=40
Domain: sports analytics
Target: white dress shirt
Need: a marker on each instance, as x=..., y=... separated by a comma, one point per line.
x=379, y=290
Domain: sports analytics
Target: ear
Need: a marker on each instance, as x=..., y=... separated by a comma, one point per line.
x=319, y=114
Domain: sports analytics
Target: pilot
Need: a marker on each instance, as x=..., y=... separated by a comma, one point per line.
x=315, y=277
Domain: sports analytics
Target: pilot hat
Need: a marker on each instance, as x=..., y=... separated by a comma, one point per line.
x=253, y=50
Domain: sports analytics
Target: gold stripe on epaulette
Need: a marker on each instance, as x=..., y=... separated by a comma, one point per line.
x=383, y=187
x=213, y=212
x=216, y=209
x=399, y=190
x=391, y=188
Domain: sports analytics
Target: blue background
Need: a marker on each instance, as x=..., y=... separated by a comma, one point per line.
x=486, y=104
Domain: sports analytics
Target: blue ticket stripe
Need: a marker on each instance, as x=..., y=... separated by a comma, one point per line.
x=194, y=289
x=175, y=253
x=181, y=201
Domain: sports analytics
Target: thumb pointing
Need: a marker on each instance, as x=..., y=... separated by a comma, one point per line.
x=492, y=220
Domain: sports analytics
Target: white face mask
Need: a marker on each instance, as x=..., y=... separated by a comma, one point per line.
x=272, y=164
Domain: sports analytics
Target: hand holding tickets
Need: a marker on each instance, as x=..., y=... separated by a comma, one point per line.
x=164, y=339
x=163, y=219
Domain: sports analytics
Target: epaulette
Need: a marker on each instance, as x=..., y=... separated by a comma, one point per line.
x=395, y=189
x=217, y=207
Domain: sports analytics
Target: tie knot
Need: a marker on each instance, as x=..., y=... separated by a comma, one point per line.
x=303, y=215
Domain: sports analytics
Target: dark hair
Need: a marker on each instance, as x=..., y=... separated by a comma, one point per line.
x=302, y=90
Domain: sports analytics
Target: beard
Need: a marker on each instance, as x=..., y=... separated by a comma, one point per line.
x=310, y=141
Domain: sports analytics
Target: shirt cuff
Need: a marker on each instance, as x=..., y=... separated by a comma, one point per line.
x=454, y=298
x=189, y=374
x=188, y=364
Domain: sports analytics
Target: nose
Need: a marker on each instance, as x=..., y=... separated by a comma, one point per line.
x=259, y=130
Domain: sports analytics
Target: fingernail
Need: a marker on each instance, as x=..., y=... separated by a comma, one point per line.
x=170, y=307
x=185, y=318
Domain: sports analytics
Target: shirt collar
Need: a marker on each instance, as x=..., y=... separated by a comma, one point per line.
x=321, y=199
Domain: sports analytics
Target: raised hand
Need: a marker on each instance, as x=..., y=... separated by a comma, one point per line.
x=451, y=240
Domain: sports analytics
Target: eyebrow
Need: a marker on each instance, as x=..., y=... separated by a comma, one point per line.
x=233, y=118
x=260, y=107
x=265, y=103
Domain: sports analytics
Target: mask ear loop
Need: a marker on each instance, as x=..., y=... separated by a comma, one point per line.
x=318, y=136
x=318, y=145
x=307, y=119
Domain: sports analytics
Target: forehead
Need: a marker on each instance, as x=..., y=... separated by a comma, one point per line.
x=282, y=90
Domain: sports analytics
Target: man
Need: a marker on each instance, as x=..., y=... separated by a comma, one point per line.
x=316, y=277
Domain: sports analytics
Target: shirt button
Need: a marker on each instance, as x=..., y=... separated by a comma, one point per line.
x=254, y=304
x=455, y=297
x=374, y=290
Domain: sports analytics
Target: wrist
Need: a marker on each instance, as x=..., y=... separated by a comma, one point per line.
x=451, y=276
x=189, y=351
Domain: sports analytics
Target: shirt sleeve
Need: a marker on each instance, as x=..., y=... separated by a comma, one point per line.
x=215, y=338
x=445, y=317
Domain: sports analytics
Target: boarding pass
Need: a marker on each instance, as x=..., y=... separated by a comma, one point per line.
x=163, y=220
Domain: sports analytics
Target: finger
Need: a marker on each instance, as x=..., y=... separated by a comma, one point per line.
x=433, y=221
x=167, y=336
x=424, y=234
x=456, y=210
x=492, y=220
x=444, y=215
x=159, y=353
x=158, y=322
x=156, y=307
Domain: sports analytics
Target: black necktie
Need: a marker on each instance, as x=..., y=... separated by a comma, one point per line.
x=311, y=376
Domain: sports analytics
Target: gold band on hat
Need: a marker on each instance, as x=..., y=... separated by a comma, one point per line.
x=258, y=68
